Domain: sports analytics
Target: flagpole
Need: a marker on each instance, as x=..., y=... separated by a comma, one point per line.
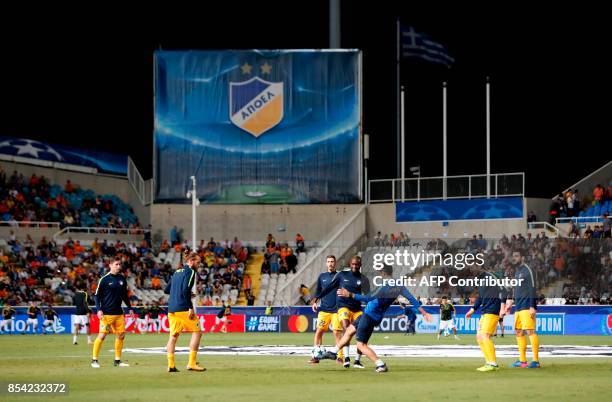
x=397, y=95
x=334, y=24
x=444, y=155
x=403, y=147
x=488, y=118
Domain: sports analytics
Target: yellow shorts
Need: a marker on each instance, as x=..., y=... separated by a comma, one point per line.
x=523, y=320
x=488, y=324
x=113, y=324
x=180, y=322
x=345, y=314
x=324, y=320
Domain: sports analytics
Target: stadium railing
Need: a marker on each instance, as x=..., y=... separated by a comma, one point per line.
x=543, y=226
x=143, y=188
x=581, y=219
x=27, y=224
x=100, y=231
x=338, y=244
x=449, y=187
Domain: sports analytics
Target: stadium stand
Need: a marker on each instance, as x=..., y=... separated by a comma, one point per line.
x=48, y=271
x=568, y=271
x=35, y=199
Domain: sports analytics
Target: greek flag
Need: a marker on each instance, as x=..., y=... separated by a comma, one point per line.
x=418, y=44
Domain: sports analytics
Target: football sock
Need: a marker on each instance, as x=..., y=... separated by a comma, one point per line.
x=96, y=348
x=192, y=358
x=484, y=350
x=522, y=347
x=118, y=348
x=490, y=347
x=170, y=360
x=535, y=346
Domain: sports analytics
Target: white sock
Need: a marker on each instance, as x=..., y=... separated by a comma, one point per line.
x=74, y=338
x=379, y=363
x=346, y=351
x=492, y=363
x=358, y=357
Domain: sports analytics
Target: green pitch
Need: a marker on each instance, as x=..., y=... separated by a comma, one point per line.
x=254, y=194
x=288, y=378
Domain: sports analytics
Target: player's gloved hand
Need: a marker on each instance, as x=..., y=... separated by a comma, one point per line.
x=100, y=314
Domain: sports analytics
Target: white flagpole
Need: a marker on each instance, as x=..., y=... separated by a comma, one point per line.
x=444, y=164
x=397, y=92
x=488, y=90
x=403, y=147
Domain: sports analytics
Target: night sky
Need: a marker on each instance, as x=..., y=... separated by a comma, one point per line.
x=88, y=80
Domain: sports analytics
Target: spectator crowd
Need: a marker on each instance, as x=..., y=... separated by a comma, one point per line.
x=34, y=199
x=48, y=272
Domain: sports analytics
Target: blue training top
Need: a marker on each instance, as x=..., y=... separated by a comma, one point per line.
x=382, y=298
x=179, y=288
x=489, y=296
x=356, y=283
x=328, y=302
x=525, y=291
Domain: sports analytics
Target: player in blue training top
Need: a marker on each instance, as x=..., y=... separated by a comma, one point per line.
x=182, y=315
x=377, y=305
x=112, y=290
x=525, y=301
x=490, y=303
x=349, y=309
x=328, y=310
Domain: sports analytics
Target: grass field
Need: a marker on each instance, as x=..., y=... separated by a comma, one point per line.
x=288, y=378
x=270, y=194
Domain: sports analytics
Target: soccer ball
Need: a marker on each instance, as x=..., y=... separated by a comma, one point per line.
x=318, y=352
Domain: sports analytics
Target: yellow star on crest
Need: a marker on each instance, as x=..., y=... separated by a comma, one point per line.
x=266, y=68
x=246, y=68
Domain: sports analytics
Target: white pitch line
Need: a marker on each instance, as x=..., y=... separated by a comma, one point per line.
x=446, y=351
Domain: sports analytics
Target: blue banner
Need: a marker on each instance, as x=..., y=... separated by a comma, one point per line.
x=104, y=162
x=550, y=320
x=263, y=323
x=258, y=126
x=452, y=210
x=61, y=325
